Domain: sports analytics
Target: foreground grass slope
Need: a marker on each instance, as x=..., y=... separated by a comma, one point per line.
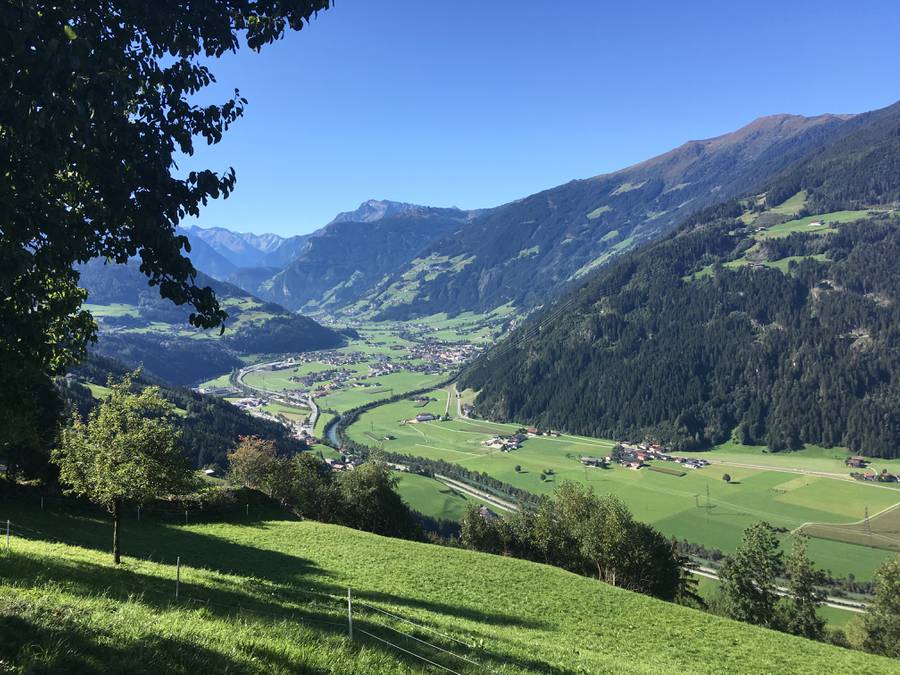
x=268, y=595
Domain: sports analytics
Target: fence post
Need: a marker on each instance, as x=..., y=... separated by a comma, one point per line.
x=248, y=508
x=349, y=613
x=177, y=576
x=185, y=517
x=7, y=535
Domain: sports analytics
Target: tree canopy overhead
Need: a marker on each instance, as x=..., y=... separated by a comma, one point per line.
x=98, y=101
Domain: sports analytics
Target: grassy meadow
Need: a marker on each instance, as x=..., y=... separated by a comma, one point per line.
x=269, y=595
x=805, y=224
x=433, y=498
x=762, y=489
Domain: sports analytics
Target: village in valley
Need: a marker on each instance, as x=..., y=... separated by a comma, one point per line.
x=626, y=455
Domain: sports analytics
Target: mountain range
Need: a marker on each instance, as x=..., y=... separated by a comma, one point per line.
x=770, y=319
x=394, y=260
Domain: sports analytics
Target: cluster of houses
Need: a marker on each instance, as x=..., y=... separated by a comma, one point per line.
x=514, y=441
x=249, y=404
x=859, y=462
x=636, y=457
x=505, y=443
x=869, y=475
x=599, y=462
x=347, y=462
x=425, y=417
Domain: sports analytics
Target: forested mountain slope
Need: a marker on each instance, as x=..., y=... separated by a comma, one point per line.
x=757, y=318
x=210, y=426
x=348, y=257
x=140, y=328
x=527, y=251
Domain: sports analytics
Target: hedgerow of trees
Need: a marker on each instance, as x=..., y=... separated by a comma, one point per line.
x=589, y=534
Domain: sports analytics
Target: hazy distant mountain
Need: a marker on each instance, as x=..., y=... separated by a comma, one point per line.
x=529, y=250
x=206, y=258
x=245, y=249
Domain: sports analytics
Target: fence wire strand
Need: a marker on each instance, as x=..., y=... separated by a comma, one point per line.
x=417, y=625
x=407, y=651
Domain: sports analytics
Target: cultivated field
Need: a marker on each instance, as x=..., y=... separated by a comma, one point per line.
x=880, y=530
x=433, y=498
x=269, y=595
x=764, y=488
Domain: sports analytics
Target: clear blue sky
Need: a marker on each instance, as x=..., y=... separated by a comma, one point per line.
x=473, y=103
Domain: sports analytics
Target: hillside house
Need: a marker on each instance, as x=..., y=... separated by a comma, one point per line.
x=487, y=514
x=425, y=417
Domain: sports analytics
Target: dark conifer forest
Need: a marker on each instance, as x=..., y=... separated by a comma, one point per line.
x=722, y=331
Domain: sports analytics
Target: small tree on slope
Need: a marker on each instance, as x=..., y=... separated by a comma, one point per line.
x=748, y=577
x=882, y=623
x=798, y=612
x=126, y=452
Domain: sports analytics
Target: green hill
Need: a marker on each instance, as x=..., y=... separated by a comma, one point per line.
x=269, y=595
x=771, y=320
x=530, y=250
x=138, y=327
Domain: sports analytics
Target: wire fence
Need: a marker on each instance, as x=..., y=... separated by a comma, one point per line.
x=346, y=613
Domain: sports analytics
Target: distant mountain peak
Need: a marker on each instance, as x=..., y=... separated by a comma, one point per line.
x=372, y=210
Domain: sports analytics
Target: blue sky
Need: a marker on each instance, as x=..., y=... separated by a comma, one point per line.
x=473, y=103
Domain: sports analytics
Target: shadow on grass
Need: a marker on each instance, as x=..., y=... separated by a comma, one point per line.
x=282, y=586
x=62, y=643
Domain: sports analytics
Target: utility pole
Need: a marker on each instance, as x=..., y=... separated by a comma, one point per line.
x=868, y=527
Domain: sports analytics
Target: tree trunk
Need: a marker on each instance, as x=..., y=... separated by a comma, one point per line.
x=117, y=514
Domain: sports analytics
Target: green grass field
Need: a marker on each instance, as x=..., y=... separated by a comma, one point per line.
x=221, y=381
x=803, y=224
x=432, y=497
x=387, y=386
x=881, y=530
x=290, y=412
x=269, y=596
x=677, y=505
